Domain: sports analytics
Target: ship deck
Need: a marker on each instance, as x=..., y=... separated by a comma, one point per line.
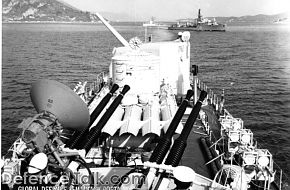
x=193, y=156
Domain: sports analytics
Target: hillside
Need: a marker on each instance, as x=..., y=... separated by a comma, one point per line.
x=59, y=11
x=261, y=18
x=43, y=10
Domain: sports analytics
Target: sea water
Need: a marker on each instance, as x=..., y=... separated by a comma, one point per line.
x=250, y=62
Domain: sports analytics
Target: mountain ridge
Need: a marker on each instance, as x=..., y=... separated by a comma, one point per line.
x=262, y=18
x=43, y=10
x=60, y=11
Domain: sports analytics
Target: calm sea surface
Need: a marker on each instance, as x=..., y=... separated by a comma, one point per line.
x=252, y=64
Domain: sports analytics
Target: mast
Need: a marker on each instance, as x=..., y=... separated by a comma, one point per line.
x=199, y=15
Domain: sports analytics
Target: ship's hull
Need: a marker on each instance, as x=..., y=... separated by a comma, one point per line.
x=128, y=136
x=200, y=27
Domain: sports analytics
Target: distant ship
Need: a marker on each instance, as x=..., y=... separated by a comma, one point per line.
x=152, y=24
x=282, y=21
x=198, y=24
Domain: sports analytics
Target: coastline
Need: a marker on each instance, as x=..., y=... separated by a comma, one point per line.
x=48, y=22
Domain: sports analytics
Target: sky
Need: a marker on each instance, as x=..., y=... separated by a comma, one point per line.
x=177, y=9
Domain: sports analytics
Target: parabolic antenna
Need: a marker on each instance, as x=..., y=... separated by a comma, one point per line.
x=60, y=100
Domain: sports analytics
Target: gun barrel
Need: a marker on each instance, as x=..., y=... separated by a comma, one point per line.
x=97, y=111
x=114, y=32
x=102, y=104
x=164, y=144
x=179, y=145
x=104, y=119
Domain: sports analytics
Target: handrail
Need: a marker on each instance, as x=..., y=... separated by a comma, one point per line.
x=215, y=102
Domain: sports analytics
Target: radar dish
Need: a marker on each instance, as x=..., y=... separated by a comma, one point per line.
x=60, y=100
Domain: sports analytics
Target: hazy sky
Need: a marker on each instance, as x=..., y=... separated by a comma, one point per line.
x=176, y=9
